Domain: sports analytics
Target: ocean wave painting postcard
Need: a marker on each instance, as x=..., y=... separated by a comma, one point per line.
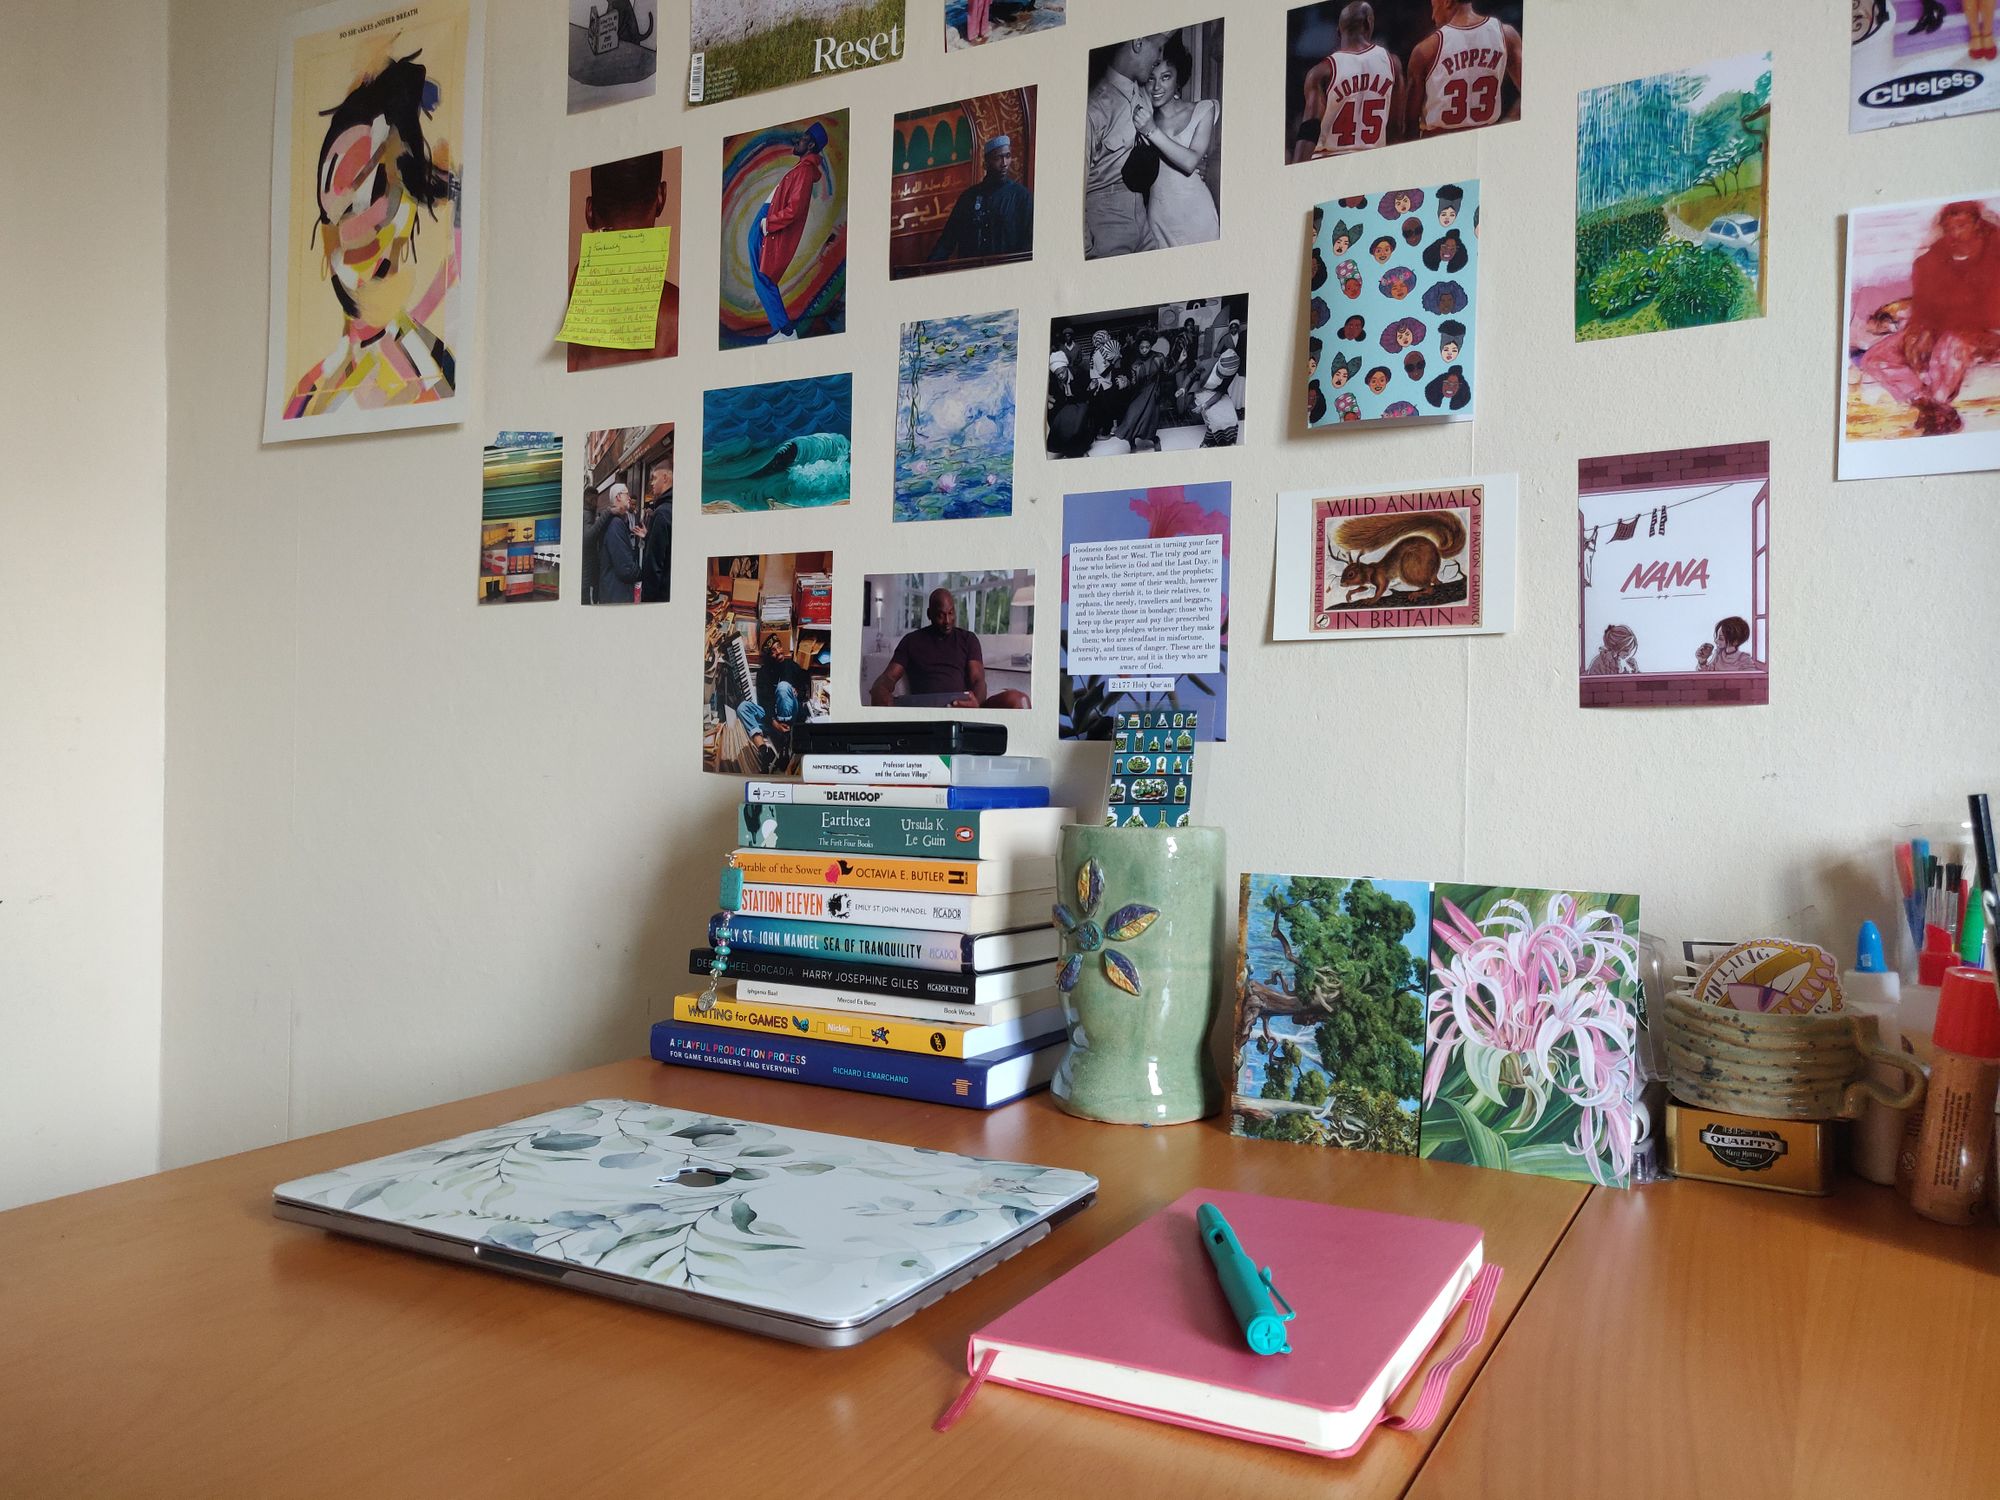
x=1532, y=1034
x=1332, y=981
x=1393, y=316
x=1436, y=560
x=738, y=47
x=1920, y=384
x=783, y=445
x=374, y=213
x=955, y=417
x=1672, y=188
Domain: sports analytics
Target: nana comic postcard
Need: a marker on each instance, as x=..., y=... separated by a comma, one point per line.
x=1431, y=560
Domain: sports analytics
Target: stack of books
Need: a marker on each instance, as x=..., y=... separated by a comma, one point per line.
x=892, y=935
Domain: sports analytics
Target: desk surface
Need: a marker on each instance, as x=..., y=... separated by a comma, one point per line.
x=167, y=1336
x=1693, y=1338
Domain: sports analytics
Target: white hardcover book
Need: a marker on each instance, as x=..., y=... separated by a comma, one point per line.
x=878, y=770
x=879, y=908
x=867, y=1002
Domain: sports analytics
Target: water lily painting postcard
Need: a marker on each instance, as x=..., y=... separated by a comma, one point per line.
x=784, y=445
x=1920, y=388
x=738, y=47
x=1332, y=977
x=1532, y=1033
x=955, y=417
x=1671, y=191
x=374, y=212
x=1674, y=577
x=1145, y=608
x=1436, y=560
x=1393, y=313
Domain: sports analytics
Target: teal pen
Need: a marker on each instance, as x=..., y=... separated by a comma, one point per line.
x=1248, y=1289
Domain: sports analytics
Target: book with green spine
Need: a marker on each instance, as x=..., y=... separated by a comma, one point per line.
x=925, y=833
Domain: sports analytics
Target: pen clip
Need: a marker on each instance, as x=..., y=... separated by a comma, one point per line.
x=1272, y=1287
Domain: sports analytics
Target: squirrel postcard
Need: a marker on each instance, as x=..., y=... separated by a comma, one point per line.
x=1417, y=561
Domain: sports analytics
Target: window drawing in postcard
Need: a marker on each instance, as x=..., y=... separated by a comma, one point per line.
x=1160, y=378
x=1920, y=60
x=628, y=515
x=638, y=193
x=1391, y=324
x=520, y=518
x=1532, y=1041
x=962, y=185
x=738, y=47
x=1152, y=141
x=785, y=445
x=1671, y=195
x=974, y=23
x=614, y=52
x=1145, y=621
x=1332, y=978
x=767, y=659
x=1362, y=76
x=374, y=194
x=1921, y=381
x=955, y=418
x=1432, y=561
x=948, y=640
x=1674, y=577
x=784, y=232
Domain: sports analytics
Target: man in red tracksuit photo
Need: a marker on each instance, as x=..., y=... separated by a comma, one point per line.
x=780, y=225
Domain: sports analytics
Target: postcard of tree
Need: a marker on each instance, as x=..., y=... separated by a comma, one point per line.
x=1533, y=1032
x=1671, y=193
x=1330, y=1011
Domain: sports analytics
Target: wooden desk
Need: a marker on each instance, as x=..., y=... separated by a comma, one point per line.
x=1694, y=1339
x=169, y=1337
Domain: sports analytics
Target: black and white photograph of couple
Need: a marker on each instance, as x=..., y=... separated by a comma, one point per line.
x=1153, y=143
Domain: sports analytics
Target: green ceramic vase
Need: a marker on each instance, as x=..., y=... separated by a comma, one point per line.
x=1138, y=912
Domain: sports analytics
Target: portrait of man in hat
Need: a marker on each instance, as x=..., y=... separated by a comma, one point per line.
x=992, y=219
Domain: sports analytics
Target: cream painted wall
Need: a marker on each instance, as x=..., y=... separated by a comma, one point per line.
x=415, y=849
x=83, y=437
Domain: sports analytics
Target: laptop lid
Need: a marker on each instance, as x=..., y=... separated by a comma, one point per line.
x=826, y=1230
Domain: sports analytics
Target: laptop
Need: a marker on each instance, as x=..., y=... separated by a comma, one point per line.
x=819, y=1239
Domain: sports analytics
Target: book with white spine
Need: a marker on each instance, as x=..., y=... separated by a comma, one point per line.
x=925, y=910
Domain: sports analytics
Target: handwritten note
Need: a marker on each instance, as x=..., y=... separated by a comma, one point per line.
x=620, y=274
x=1151, y=606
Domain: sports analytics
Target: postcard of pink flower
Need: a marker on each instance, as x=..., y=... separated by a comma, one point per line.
x=1532, y=1032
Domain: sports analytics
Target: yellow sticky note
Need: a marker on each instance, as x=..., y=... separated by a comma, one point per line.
x=615, y=303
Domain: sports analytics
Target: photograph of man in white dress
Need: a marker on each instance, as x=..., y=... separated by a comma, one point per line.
x=1153, y=143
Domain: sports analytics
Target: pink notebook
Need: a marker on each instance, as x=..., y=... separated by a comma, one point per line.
x=1143, y=1326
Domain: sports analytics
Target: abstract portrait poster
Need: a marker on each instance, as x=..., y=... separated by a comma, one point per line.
x=784, y=232
x=1145, y=607
x=374, y=212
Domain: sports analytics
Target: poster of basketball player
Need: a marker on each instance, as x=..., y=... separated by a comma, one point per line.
x=1366, y=73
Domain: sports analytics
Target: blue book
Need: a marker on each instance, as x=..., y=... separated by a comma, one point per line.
x=970, y=1083
x=840, y=794
x=902, y=947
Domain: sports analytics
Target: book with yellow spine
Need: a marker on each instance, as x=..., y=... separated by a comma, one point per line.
x=965, y=877
x=875, y=1032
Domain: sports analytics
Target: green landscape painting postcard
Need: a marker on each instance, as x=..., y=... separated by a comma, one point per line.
x=1330, y=1011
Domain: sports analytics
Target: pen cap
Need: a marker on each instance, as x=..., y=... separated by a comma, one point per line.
x=1968, y=1019
x=1266, y=1334
x=1868, y=957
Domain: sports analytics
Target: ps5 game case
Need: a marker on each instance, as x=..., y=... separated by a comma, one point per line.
x=818, y=1239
